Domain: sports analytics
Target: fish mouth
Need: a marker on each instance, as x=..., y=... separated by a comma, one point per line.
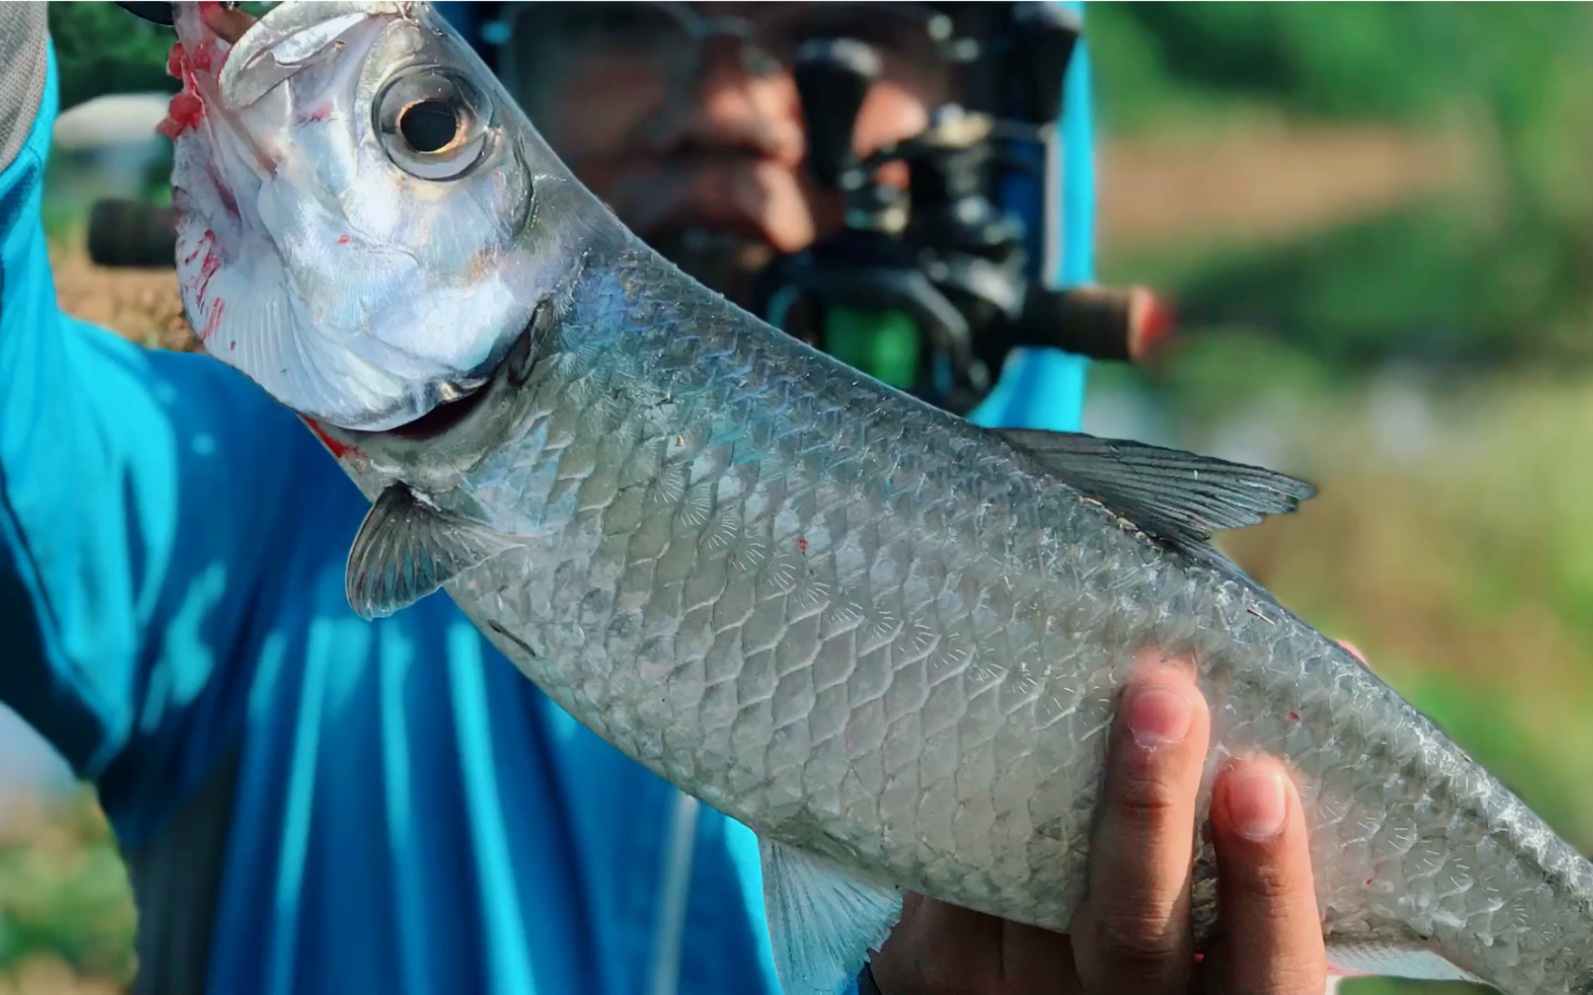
x=447, y=415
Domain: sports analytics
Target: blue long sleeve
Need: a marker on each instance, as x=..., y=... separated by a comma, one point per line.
x=142, y=495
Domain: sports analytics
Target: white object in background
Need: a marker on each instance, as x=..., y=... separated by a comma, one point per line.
x=116, y=119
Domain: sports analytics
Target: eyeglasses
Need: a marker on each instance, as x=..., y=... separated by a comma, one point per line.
x=542, y=44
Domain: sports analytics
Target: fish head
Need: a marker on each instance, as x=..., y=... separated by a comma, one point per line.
x=357, y=204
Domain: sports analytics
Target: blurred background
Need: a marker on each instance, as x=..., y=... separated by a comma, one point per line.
x=1377, y=221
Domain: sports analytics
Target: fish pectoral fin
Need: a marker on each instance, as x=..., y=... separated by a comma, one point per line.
x=823, y=922
x=1176, y=496
x=1390, y=961
x=407, y=549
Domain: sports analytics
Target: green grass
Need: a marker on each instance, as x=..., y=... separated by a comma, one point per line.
x=64, y=895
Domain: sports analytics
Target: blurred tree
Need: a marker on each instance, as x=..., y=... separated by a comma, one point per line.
x=64, y=892
x=1507, y=277
x=102, y=49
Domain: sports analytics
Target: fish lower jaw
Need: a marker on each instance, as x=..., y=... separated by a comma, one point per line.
x=446, y=415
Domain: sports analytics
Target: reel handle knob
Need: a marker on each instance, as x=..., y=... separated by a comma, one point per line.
x=833, y=76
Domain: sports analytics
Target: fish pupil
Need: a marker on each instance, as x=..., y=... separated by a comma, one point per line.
x=429, y=125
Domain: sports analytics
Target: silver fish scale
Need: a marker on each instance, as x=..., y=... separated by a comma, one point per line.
x=874, y=632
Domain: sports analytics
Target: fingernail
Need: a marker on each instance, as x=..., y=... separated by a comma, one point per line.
x=1257, y=807
x=1159, y=716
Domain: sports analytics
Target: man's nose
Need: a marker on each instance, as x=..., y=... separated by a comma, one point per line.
x=743, y=97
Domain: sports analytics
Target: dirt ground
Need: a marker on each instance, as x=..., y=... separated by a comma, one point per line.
x=1272, y=182
x=141, y=304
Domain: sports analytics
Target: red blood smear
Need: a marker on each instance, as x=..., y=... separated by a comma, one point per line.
x=176, y=61
x=342, y=240
x=1295, y=716
x=802, y=544
x=186, y=109
x=212, y=320
x=200, y=283
x=336, y=448
x=184, y=112
x=207, y=269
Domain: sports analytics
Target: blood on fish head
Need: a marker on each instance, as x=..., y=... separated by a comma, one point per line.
x=353, y=191
x=200, y=58
x=203, y=183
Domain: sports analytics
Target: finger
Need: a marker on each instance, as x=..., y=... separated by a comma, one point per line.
x=229, y=24
x=1355, y=651
x=1266, y=894
x=939, y=947
x=1133, y=930
x=1034, y=957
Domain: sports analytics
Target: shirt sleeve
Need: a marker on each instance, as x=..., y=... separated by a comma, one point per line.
x=143, y=496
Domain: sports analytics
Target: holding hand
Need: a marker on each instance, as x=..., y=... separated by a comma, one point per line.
x=1132, y=933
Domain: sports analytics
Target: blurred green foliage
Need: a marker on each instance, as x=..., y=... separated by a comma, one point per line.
x=1462, y=567
x=1507, y=278
x=64, y=892
x=102, y=49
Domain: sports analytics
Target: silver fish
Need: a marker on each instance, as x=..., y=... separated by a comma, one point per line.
x=887, y=640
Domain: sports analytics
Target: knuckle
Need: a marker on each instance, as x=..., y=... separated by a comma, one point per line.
x=1147, y=795
x=1138, y=935
x=1268, y=883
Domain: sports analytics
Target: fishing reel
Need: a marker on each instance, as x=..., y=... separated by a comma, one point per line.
x=932, y=286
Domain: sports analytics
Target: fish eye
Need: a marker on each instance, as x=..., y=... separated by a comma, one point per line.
x=432, y=123
x=429, y=126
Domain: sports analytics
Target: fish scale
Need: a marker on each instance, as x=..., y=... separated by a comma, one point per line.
x=887, y=640
x=857, y=670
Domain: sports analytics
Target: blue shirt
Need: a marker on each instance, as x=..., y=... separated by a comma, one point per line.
x=309, y=802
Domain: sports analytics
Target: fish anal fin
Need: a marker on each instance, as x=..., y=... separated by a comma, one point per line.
x=1392, y=961
x=822, y=921
x=407, y=550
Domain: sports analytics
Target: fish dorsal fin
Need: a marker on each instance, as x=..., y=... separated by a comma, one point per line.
x=407, y=549
x=823, y=922
x=1178, y=497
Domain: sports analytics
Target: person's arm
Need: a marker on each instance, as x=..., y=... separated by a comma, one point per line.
x=139, y=493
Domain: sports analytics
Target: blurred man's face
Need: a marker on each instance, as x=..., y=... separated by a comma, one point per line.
x=698, y=145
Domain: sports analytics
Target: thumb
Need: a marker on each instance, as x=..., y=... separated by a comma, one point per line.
x=1355, y=651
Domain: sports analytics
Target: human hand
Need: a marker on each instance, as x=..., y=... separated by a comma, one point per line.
x=1132, y=933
